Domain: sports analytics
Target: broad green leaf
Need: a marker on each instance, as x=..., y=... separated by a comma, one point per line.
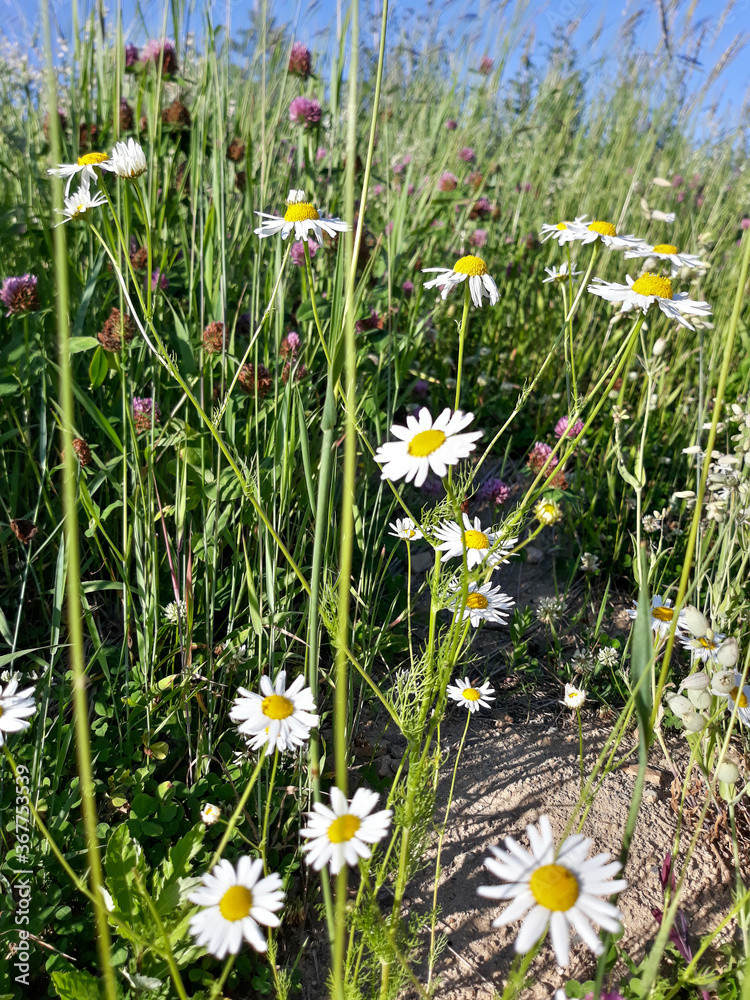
x=77, y=985
x=98, y=368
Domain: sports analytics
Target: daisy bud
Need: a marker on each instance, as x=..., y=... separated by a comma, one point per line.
x=679, y=705
x=728, y=772
x=723, y=682
x=700, y=699
x=696, y=682
x=728, y=652
x=694, y=621
x=693, y=722
x=660, y=346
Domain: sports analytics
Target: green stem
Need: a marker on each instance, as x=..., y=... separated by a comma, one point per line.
x=168, y=954
x=318, y=327
x=461, y=341
x=234, y=818
x=267, y=812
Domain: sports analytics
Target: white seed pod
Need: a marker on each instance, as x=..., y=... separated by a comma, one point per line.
x=723, y=682
x=728, y=652
x=700, y=699
x=679, y=705
x=694, y=621
x=693, y=722
x=728, y=772
x=696, y=682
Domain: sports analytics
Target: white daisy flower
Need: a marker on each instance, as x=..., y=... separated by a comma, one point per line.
x=605, y=233
x=662, y=614
x=667, y=251
x=478, y=543
x=647, y=290
x=471, y=697
x=301, y=218
x=472, y=268
x=423, y=445
x=236, y=901
x=563, y=232
x=127, y=160
x=485, y=603
x=210, y=814
x=79, y=203
x=405, y=528
x=740, y=696
x=277, y=718
x=342, y=834
x=15, y=708
x=658, y=216
x=560, y=891
x=86, y=166
x=704, y=647
x=560, y=274
x=574, y=697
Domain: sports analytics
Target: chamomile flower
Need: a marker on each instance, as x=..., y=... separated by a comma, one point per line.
x=574, y=696
x=471, y=697
x=478, y=543
x=15, y=708
x=277, y=718
x=740, y=696
x=127, y=160
x=662, y=614
x=87, y=166
x=647, y=290
x=704, y=647
x=562, y=232
x=342, y=834
x=235, y=901
x=485, y=603
x=560, y=274
x=425, y=444
x=301, y=218
x=548, y=511
x=606, y=233
x=470, y=268
x=560, y=891
x=667, y=251
x=79, y=203
x=405, y=528
x=210, y=814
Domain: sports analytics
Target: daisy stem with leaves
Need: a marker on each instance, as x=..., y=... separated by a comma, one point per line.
x=461, y=342
x=267, y=811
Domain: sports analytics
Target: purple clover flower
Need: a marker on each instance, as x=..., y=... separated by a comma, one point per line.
x=19, y=294
x=494, y=490
x=143, y=406
x=159, y=280
x=297, y=253
x=478, y=238
x=448, y=181
x=131, y=56
x=300, y=60
x=304, y=111
x=467, y=154
x=563, y=428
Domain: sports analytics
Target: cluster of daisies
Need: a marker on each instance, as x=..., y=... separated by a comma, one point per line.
x=639, y=293
x=126, y=159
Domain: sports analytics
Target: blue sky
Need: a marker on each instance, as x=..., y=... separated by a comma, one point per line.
x=595, y=28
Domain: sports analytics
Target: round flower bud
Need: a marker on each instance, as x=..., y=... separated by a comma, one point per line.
x=701, y=699
x=696, y=682
x=660, y=346
x=728, y=772
x=694, y=621
x=679, y=705
x=723, y=682
x=693, y=722
x=728, y=652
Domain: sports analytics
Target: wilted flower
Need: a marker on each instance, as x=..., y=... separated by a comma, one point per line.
x=290, y=344
x=304, y=111
x=213, y=337
x=299, y=60
x=82, y=450
x=115, y=325
x=539, y=455
x=589, y=562
x=143, y=408
x=448, y=181
x=251, y=379
x=20, y=295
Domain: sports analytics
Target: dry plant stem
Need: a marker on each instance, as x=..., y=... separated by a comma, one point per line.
x=433, y=921
x=718, y=402
x=72, y=551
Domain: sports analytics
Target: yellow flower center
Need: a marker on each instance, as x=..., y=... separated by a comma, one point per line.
x=470, y=265
x=561, y=225
x=236, y=903
x=476, y=540
x=477, y=601
x=425, y=443
x=665, y=248
x=663, y=614
x=653, y=284
x=554, y=887
x=1, y=710
x=605, y=228
x=343, y=828
x=738, y=697
x=471, y=694
x=92, y=159
x=572, y=695
x=408, y=533
x=301, y=211
x=276, y=706
x=706, y=642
